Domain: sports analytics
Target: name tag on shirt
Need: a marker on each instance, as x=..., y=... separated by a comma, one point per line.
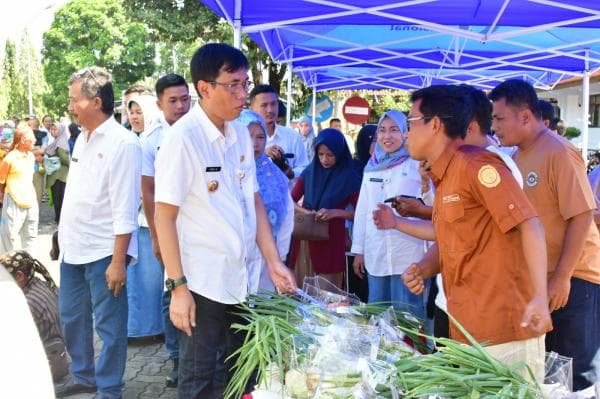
x=376, y=180
x=213, y=169
x=74, y=160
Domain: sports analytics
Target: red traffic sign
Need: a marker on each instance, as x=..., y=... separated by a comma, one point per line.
x=356, y=110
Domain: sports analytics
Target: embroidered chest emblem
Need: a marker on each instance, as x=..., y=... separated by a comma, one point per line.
x=532, y=179
x=450, y=198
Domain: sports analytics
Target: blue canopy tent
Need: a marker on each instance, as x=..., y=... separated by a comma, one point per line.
x=382, y=44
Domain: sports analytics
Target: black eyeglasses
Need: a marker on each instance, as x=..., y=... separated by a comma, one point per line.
x=235, y=87
x=426, y=117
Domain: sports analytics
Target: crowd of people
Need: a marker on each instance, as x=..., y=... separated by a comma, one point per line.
x=167, y=222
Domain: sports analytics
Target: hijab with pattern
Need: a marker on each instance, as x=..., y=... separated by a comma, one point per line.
x=327, y=188
x=272, y=183
x=381, y=160
x=21, y=261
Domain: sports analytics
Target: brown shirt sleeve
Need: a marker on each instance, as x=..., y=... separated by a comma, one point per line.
x=572, y=186
x=493, y=184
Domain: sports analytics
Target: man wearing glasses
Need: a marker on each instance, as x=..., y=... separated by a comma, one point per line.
x=97, y=237
x=208, y=217
x=490, y=241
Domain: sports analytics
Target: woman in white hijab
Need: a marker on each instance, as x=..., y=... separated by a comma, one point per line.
x=56, y=164
x=145, y=279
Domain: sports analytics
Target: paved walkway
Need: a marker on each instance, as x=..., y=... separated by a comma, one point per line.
x=147, y=362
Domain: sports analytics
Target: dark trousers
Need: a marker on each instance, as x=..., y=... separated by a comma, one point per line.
x=441, y=324
x=58, y=193
x=356, y=285
x=201, y=356
x=576, y=330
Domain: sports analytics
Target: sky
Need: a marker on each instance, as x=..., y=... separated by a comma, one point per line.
x=35, y=15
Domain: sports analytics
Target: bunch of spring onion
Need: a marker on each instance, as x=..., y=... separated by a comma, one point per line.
x=463, y=371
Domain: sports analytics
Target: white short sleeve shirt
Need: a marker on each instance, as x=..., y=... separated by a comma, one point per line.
x=211, y=177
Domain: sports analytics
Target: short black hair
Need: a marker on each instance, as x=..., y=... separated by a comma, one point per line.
x=260, y=89
x=334, y=120
x=46, y=116
x=481, y=107
x=139, y=89
x=517, y=93
x=546, y=109
x=169, y=80
x=208, y=60
x=450, y=105
x=553, y=125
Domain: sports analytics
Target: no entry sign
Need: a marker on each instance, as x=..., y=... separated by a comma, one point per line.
x=356, y=110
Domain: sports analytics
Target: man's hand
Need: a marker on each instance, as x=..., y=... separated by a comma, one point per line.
x=325, y=215
x=183, y=309
x=536, y=316
x=282, y=277
x=408, y=206
x=359, y=265
x=558, y=291
x=413, y=279
x=116, y=277
x=384, y=217
x=274, y=152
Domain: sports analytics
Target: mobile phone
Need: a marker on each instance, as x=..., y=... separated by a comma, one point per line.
x=393, y=199
x=288, y=155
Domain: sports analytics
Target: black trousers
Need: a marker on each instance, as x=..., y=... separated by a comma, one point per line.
x=58, y=193
x=203, y=370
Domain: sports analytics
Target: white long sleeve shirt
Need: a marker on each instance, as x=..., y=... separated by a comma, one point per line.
x=102, y=194
x=386, y=252
x=292, y=143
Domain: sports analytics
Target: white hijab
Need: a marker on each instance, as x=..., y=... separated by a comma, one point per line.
x=149, y=108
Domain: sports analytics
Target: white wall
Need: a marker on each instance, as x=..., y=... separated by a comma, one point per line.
x=569, y=101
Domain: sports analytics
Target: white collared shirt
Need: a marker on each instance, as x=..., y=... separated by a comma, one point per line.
x=102, y=194
x=386, y=252
x=292, y=143
x=216, y=228
x=150, y=142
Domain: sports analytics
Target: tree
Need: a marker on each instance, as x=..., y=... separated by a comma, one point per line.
x=11, y=87
x=88, y=32
x=184, y=24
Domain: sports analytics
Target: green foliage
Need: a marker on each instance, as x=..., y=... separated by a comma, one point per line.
x=390, y=99
x=571, y=132
x=18, y=62
x=88, y=32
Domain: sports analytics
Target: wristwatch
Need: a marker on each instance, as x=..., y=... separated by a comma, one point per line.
x=170, y=284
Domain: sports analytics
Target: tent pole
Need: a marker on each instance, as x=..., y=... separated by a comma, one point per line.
x=237, y=24
x=314, y=104
x=585, y=103
x=288, y=113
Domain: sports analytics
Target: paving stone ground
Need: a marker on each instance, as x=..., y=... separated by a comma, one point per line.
x=147, y=361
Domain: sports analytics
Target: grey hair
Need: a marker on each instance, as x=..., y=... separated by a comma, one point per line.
x=96, y=82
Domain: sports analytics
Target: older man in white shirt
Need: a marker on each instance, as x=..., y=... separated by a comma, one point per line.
x=99, y=217
x=284, y=145
x=208, y=215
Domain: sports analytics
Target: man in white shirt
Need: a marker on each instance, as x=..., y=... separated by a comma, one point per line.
x=284, y=144
x=336, y=123
x=208, y=215
x=174, y=102
x=97, y=237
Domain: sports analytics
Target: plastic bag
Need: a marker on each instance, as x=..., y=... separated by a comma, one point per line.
x=559, y=371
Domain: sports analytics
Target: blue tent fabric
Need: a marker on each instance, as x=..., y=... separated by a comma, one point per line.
x=371, y=44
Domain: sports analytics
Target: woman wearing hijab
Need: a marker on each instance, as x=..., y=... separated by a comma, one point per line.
x=386, y=254
x=275, y=194
x=308, y=136
x=42, y=298
x=328, y=184
x=58, y=150
x=145, y=279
